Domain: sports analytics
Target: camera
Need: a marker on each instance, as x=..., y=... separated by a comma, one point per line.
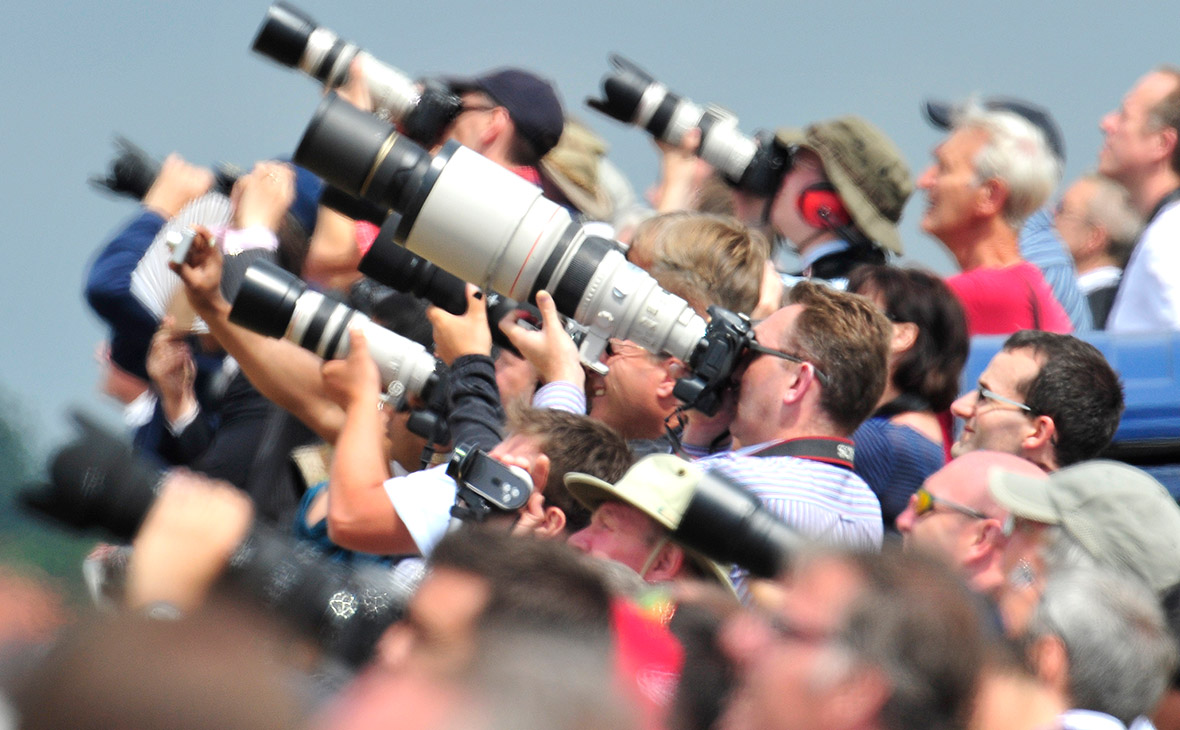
x=275, y=303
x=486, y=225
x=133, y=171
x=633, y=96
x=295, y=40
x=98, y=482
x=485, y=486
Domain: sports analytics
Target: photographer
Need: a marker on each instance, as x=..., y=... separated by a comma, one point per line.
x=372, y=512
x=817, y=374
x=838, y=203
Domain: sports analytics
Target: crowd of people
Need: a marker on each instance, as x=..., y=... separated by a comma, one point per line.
x=954, y=559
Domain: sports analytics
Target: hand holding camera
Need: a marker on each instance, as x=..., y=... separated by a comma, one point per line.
x=262, y=197
x=550, y=349
x=465, y=334
x=177, y=184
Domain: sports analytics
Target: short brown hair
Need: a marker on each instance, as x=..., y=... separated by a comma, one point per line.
x=847, y=338
x=572, y=443
x=706, y=259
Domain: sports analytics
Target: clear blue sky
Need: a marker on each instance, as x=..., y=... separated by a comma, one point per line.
x=180, y=76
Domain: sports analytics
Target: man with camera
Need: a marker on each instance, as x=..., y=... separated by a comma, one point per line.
x=813, y=375
x=841, y=198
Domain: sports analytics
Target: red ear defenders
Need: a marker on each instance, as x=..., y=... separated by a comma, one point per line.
x=821, y=207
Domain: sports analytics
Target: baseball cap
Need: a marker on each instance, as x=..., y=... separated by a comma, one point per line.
x=942, y=115
x=867, y=170
x=1123, y=517
x=530, y=100
x=661, y=487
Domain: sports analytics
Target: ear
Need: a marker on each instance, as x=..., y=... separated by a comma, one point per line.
x=499, y=125
x=673, y=369
x=905, y=334
x=539, y=472
x=992, y=195
x=1168, y=142
x=857, y=699
x=799, y=381
x=667, y=564
x=986, y=541
x=552, y=523
x=1044, y=434
x=1050, y=661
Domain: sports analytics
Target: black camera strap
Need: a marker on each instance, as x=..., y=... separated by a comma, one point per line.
x=830, y=450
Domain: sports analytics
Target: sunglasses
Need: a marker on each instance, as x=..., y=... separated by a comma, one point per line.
x=925, y=502
x=753, y=346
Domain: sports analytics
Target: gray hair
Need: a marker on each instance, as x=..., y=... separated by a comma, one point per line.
x=1061, y=552
x=1015, y=153
x=1110, y=207
x=1121, y=654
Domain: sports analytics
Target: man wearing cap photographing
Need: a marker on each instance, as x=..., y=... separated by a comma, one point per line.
x=1040, y=245
x=840, y=201
x=511, y=116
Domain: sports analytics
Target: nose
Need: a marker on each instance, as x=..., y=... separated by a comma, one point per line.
x=964, y=405
x=905, y=520
x=1106, y=124
x=743, y=638
x=926, y=180
x=580, y=541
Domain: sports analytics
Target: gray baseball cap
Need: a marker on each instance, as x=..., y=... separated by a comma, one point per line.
x=1123, y=517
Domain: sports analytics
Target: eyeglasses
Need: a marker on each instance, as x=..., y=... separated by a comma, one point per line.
x=985, y=397
x=754, y=346
x=926, y=502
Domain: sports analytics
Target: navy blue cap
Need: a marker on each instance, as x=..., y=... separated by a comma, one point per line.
x=941, y=114
x=530, y=100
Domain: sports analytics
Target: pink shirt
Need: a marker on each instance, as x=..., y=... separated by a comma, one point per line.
x=1003, y=301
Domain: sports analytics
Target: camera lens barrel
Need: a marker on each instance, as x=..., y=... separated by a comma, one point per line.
x=486, y=225
x=284, y=34
x=293, y=39
x=730, y=525
x=276, y=303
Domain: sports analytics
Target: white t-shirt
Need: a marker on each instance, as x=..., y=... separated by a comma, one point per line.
x=1149, y=296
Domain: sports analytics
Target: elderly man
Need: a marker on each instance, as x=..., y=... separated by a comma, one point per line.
x=1141, y=151
x=1049, y=398
x=953, y=515
x=1098, y=225
x=992, y=172
x=1040, y=245
x=631, y=520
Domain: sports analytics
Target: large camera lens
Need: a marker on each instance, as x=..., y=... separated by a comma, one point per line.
x=295, y=40
x=730, y=525
x=634, y=96
x=276, y=303
x=97, y=482
x=486, y=225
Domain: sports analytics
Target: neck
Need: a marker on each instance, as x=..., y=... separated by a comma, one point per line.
x=992, y=245
x=1146, y=195
x=891, y=392
x=800, y=427
x=1094, y=262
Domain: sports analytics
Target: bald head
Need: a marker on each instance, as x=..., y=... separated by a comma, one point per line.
x=961, y=521
x=964, y=479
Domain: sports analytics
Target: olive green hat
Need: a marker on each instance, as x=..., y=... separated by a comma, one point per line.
x=867, y=170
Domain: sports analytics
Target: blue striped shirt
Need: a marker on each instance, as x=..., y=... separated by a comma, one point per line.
x=823, y=502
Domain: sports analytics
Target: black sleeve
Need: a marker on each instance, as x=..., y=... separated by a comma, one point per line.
x=475, y=414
